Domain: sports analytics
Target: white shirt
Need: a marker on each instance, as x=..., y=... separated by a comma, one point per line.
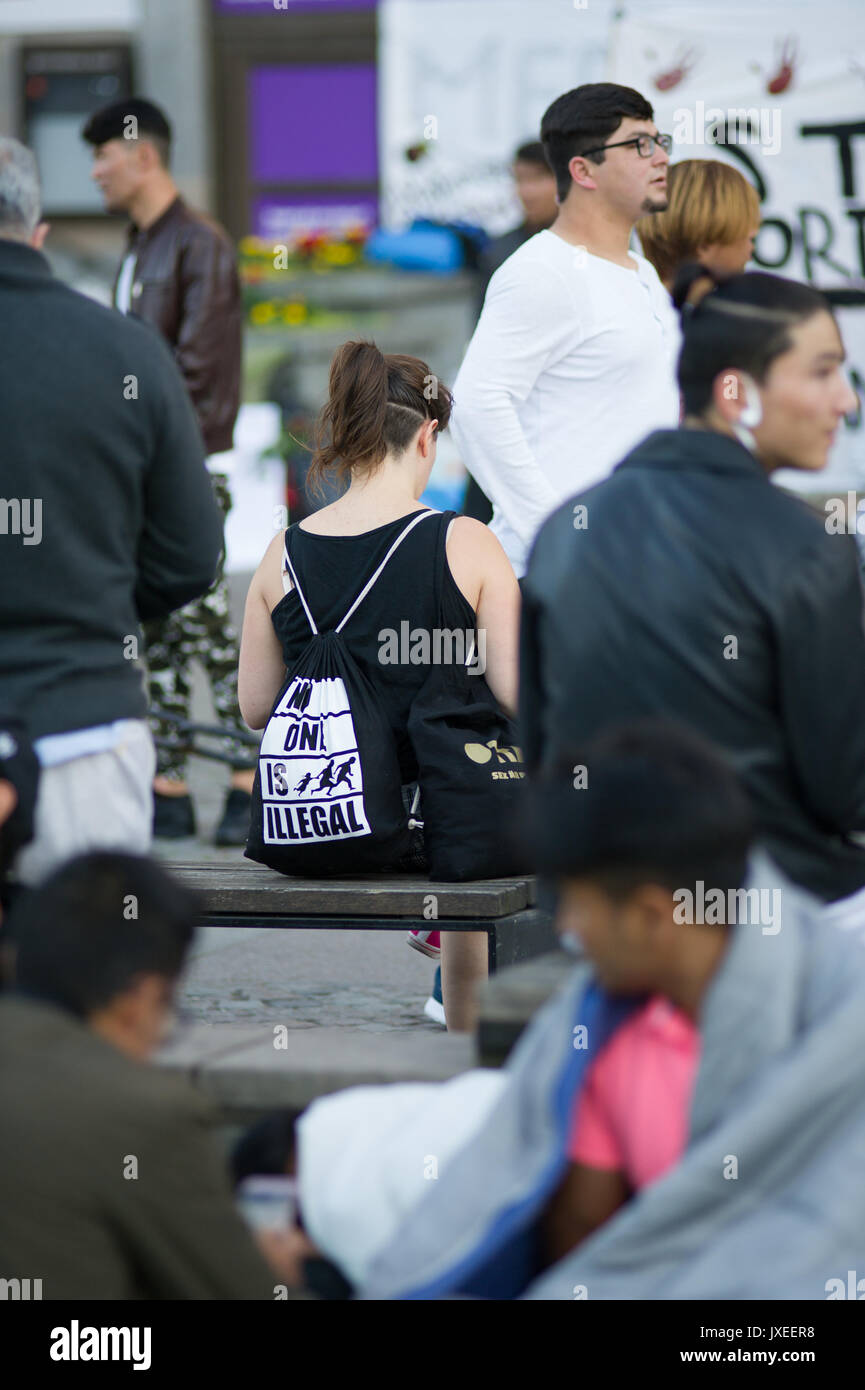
x=54, y=749
x=123, y=292
x=572, y=364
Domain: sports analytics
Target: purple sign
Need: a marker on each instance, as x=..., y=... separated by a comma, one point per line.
x=285, y=6
x=284, y=218
x=313, y=124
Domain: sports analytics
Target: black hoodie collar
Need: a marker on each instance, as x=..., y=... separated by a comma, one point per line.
x=694, y=451
x=19, y=261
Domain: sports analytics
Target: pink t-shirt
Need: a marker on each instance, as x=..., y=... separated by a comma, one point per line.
x=632, y=1112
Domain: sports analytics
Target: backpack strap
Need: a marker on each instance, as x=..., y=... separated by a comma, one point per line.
x=446, y=521
x=290, y=569
x=368, y=585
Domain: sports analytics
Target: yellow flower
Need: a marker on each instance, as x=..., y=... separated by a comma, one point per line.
x=262, y=313
x=338, y=253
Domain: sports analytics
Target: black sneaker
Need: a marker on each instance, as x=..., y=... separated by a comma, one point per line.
x=173, y=817
x=234, y=826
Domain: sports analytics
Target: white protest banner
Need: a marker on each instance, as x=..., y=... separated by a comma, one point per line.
x=780, y=94
x=462, y=84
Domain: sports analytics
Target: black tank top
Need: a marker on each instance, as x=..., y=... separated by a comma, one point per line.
x=332, y=570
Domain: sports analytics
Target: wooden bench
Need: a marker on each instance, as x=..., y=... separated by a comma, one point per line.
x=250, y=895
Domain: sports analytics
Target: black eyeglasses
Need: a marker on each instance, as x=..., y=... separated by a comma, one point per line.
x=645, y=145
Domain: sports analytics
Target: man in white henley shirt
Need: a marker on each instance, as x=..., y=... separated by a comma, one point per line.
x=573, y=359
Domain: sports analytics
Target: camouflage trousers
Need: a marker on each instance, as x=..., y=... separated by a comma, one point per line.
x=201, y=631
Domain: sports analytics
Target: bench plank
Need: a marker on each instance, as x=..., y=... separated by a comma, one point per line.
x=253, y=889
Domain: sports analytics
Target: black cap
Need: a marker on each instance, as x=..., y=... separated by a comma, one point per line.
x=20, y=766
x=112, y=122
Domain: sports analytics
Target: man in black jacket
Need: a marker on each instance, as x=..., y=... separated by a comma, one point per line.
x=107, y=518
x=687, y=586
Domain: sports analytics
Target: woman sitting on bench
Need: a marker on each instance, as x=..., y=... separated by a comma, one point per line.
x=377, y=442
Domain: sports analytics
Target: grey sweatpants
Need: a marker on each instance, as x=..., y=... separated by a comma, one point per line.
x=99, y=801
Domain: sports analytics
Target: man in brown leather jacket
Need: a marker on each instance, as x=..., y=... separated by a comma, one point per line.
x=179, y=274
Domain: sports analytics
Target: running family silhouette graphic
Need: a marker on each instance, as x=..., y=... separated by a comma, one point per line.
x=326, y=779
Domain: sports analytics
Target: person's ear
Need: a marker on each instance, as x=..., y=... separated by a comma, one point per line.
x=148, y=993
x=147, y=156
x=736, y=398
x=143, y=1011
x=37, y=240
x=427, y=437
x=581, y=171
x=8, y=800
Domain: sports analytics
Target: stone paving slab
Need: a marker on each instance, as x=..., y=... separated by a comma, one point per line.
x=244, y=1072
x=509, y=1001
x=368, y=980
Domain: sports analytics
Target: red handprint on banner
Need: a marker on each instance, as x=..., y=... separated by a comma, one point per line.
x=683, y=63
x=786, y=56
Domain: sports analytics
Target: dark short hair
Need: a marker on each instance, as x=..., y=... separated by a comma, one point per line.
x=582, y=120
x=532, y=152
x=660, y=805
x=99, y=921
x=267, y=1147
x=739, y=321
x=111, y=123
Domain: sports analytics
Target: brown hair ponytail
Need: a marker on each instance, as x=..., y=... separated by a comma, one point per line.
x=376, y=403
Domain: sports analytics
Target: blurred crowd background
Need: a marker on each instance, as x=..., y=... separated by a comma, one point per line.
x=361, y=155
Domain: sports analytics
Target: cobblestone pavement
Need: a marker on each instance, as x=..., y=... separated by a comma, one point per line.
x=369, y=980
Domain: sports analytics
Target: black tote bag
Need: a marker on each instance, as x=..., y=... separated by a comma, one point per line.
x=470, y=769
